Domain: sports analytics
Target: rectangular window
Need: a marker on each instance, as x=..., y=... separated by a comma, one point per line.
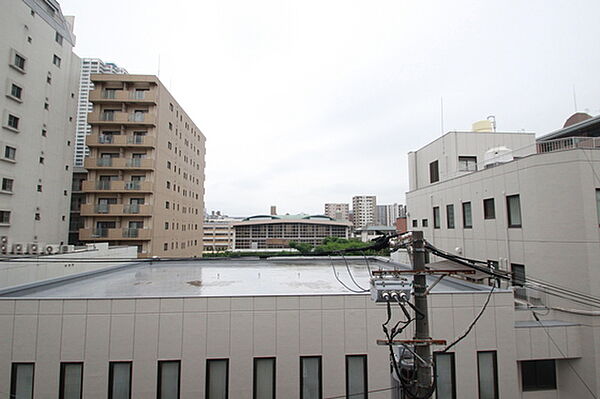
x=450, y=216
x=71, y=380
x=10, y=152
x=415, y=223
x=538, y=375
x=489, y=209
x=264, y=378
x=56, y=60
x=7, y=184
x=58, y=38
x=467, y=216
x=434, y=173
x=217, y=378
x=13, y=121
x=467, y=164
x=445, y=381
x=19, y=61
x=598, y=204
x=487, y=373
x=436, y=217
x=119, y=380
x=310, y=377
x=518, y=274
x=424, y=223
x=21, y=381
x=356, y=377
x=513, y=206
x=4, y=217
x=16, y=91
x=168, y=379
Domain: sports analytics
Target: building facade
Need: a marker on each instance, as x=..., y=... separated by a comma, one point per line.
x=218, y=234
x=536, y=214
x=145, y=183
x=89, y=66
x=337, y=211
x=363, y=210
x=386, y=215
x=276, y=232
x=39, y=78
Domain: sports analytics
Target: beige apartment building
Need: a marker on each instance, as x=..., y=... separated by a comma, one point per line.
x=363, y=210
x=337, y=211
x=145, y=183
x=38, y=77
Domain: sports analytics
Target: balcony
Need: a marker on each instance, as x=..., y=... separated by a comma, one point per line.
x=121, y=118
x=116, y=96
x=104, y=234
x=568, y=143
x=118, y=163
x=95, y=140
x=116, y=209
x=115, y=186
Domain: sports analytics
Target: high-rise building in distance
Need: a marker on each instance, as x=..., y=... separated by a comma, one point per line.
x=89, y=66
x=39, y=78
x=386, y=215
x=363, y=209
x=337, y=211
x=145, y=183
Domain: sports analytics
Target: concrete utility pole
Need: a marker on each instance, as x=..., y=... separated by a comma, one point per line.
x=422, y=322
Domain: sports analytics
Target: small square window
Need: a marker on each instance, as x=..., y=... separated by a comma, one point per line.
x=56, y=60
x=13, y=122
x=44, y=132
x=19, y=62
x=29, y=39
x=46, y=106
x=10, y=152
x=537, y=375
x=467, y=164
x=58, y=38
x=65, y=193
x=39, y=188
x=424, y=223
x=4, y=217
x=7, y=184
x=37, y=216
x=16, y=91
x=49, y=78
x=41, y=160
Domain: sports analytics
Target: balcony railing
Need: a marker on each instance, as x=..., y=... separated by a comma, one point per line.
x=102, y=208
x=145, y=96
x=132, y=185
x=131, y=233
x=120, y=140
x=100, y=233
x=131, y=208
x=114, y=233
x=117, y=185
x=107, y=139
x=103, y=185
x=104, y=162
x=135, y=139
x=568, y=144
x=120, y=117
x=116, y=209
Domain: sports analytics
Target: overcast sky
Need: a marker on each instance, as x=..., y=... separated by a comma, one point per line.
x=306, y=102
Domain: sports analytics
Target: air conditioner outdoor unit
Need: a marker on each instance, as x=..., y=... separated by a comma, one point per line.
x=51, y=249
x=67, y=248
x=3, y=239
x=4, y=249
x=33, y=248
x=18, y=248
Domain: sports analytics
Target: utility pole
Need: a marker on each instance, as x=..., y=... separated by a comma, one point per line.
x=424, y=372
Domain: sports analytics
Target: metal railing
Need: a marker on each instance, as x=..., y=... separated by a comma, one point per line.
x=100, y=232
x=131, y=208
x=104, y=162
x=137, y=117
x=103, y=185
x=108, y=116
x=102, y=208
x=135, y=140
x=567, y=144
x=106, y=139
x=134, y=162
x=132, y=185
x=131, y=233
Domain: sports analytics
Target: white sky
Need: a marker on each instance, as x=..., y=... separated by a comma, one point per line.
x=305, y=102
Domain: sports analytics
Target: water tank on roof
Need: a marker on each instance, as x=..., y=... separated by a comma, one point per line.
x=497, y=155
x=483, y=126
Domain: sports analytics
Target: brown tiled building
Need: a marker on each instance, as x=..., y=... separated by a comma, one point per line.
x=145, y=183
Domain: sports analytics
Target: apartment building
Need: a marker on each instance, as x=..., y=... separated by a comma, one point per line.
x=363, y=210
x=337, y=211
x=386, y=215
x=276, y=231
x=530, y=208
x=89, y=66
x=145, y=183
x=39, y=80
x=218, y=234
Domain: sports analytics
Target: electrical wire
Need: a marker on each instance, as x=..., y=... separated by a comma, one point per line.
x=351, y=276
x=342, y=283
x=468, y=330
x=563, y=355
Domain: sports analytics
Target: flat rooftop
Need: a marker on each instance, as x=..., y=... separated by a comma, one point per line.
x=226, y=277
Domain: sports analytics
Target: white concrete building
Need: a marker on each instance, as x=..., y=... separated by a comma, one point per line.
x=534, y=212
x=39, y=74
x=89, y=66
x=363, y=210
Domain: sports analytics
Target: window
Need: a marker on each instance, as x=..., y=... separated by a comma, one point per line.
x=58, y=38
x=71, y=379
x=10, y=152
x=44, y=132
x=518, y=274
x=310, y=377
x=537, y=375
x=56, y=60
x=450, y=216
x=165, y=246
x=168, y=164
x=467, y=216
x=424, y=223
x=217, y=378
x=167, y=204
x=356, y=377
x=487, y=373
x=489, y=209
x=264, y=378
x=19, y=62
x=467, y=164
x=513, y=206
x=168, y=379
x=119, y=380
x=16, y=91
x=4, y=217
x=598, y=204
x=436, y=217
x=13, y=121
x=39, y=188
x=21, y=381
x=166, y=225
x=37, y=216
x=7, y=184
x=434, y=173
x=42, y=160
x=445, y=382
x=170, y=126
x=415, y=223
